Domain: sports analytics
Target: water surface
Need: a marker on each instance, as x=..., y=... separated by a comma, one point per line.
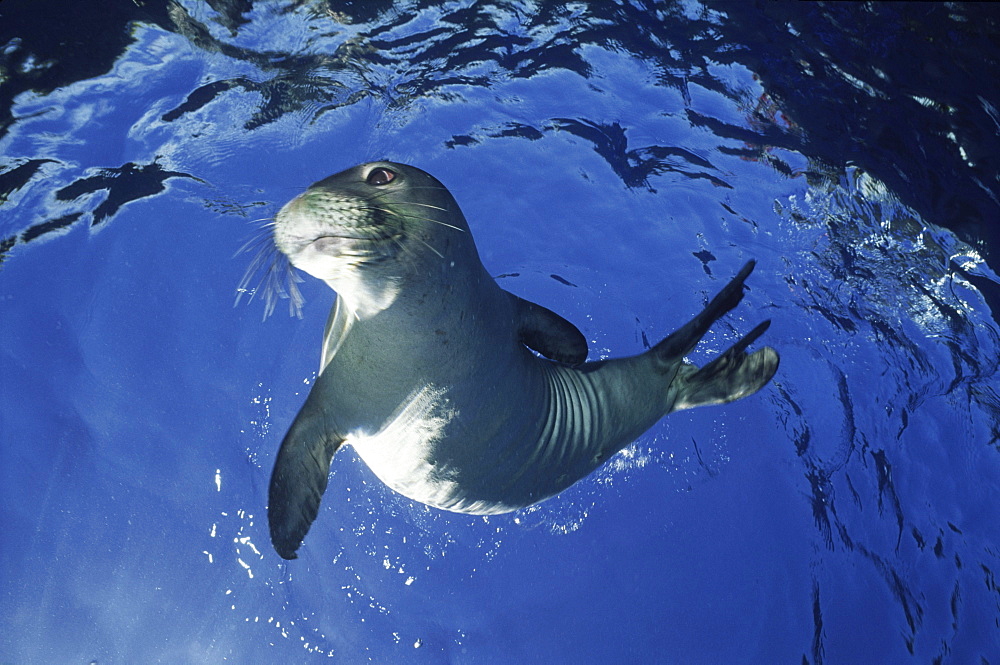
x=617, y=162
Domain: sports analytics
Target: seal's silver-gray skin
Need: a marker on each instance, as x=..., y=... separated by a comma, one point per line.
x=425, y=367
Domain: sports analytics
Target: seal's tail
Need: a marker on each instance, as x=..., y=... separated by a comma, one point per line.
x=732, y=375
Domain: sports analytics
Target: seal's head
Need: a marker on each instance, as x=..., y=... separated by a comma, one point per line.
x=368, y=230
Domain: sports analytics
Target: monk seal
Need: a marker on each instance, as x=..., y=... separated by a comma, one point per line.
x=426, y=370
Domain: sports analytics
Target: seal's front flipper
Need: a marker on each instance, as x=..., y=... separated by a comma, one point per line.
x=549, y=334
x=299, y=480
x=729, y=377
x=337, y=326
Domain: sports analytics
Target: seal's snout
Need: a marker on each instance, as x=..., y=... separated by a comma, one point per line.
x=332, y=233
x=293, y=207
x=313, y=215
x=309, y=213
x=292, y=228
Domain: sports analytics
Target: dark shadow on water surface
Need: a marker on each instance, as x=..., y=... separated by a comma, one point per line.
x=896, y=88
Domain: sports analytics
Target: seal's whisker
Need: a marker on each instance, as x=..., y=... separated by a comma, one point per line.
x=424, y=243
x=424, y=205
x=426, y=219
x=435, y=221
x=378, y=194
x=256, y=241
x=375, y=196
x=399, y=243
x=279, y=279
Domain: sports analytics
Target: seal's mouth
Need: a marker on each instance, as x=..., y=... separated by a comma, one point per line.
x=357, y=247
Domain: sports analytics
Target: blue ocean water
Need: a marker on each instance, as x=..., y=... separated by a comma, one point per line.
x=618, y=162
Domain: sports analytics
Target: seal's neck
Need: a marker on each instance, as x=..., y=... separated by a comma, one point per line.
x=365, y=298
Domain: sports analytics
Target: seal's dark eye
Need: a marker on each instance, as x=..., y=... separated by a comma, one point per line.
x=381, y=176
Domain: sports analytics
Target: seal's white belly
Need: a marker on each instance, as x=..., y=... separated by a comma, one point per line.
x=405, y=453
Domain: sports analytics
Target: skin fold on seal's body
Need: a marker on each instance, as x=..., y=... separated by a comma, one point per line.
x=426, y=369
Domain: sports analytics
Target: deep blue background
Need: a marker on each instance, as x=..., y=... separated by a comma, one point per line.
x=639, y=151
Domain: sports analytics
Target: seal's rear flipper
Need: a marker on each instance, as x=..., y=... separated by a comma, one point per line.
x=729, y=377
x=549, y=334
x=298, y=481
x=682, y=341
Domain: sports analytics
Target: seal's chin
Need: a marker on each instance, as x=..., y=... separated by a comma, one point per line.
x=332, y=245
x=366, y=287
x=360, y=247
x=330, y=257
